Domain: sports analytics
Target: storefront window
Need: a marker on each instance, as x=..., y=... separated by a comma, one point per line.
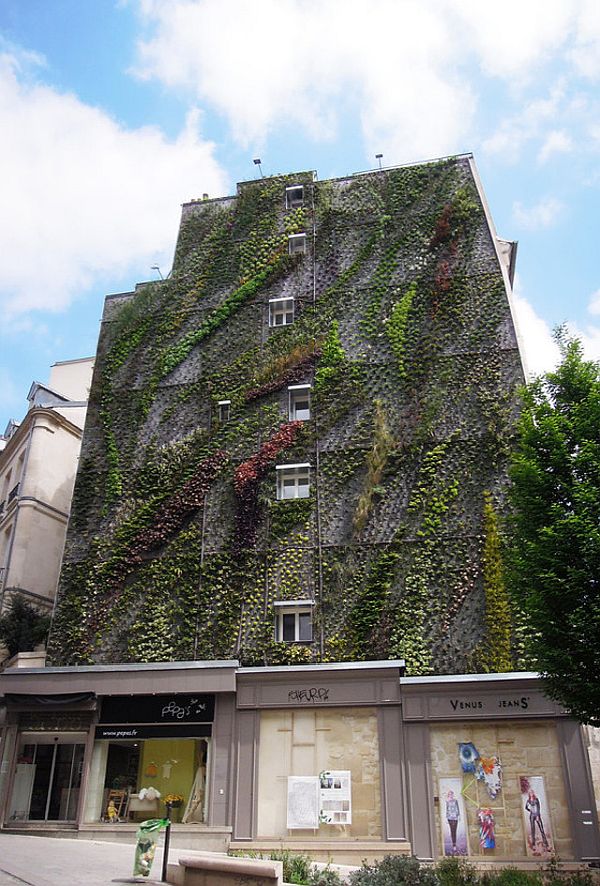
x=47, y=778
x=126, y=778
x=5, y=755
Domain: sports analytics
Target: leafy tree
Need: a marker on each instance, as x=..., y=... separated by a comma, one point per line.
x=22, y=627
x=555, y=557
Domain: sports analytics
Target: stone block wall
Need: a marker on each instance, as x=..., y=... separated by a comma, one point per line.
x=306, y=743
x=525, y=749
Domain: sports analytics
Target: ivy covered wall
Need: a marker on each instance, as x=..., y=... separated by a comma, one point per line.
x=177, y=545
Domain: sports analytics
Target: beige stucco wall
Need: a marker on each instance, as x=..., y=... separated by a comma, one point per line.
x=42, y=458
x=307, y=742
x=529, y=749
x=51, y=463
x=72, y=378
x=36, y=553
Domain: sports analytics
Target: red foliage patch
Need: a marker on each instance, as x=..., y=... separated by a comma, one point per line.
x=252, y=470
x=182, y=505
x=443, y=227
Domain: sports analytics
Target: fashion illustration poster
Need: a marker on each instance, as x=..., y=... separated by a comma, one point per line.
x=536, y=816
x=453, y=817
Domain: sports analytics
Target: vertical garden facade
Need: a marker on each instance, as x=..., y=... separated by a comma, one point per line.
x=296, y=445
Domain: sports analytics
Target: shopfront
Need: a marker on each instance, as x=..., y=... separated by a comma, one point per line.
x=320, y=760
x=499, y=772
x=109, y=754
x=149, y=748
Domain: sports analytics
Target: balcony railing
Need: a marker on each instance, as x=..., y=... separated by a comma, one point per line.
x=13, y=493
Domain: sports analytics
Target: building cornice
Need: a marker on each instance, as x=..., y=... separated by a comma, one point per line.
x=30, y=421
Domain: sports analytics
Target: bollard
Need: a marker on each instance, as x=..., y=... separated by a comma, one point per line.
x=167, y=842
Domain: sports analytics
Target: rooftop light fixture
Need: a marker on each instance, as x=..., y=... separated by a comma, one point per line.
x=257, y=162
x=379, y=157
x=156, y=268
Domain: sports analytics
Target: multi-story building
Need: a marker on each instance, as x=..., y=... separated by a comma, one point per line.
x=296, y=458
x=302, y=433
x=38, y=463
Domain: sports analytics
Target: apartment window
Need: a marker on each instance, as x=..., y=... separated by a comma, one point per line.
x=293, y=622
x=224, y=410
x=297, y=244
x=294, y=196
x=281, y=311
x=293, y=481
x=299, y=402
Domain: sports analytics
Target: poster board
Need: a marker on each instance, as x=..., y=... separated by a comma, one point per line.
x=302, y=802
x=536, y=816
x=453, y=817
x=335, y=790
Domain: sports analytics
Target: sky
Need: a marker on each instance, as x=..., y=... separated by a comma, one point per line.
x=114, y=112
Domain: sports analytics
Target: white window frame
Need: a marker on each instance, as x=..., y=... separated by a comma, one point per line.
x=274, y=304
x=295, y=608
x=292, y=202
x=224, y=410
x=290, y=481
x=296, y=244
x=295, y=392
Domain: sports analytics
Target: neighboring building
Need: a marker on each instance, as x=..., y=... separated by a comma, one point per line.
x=297, y=432
x=295, y=452
x=38, y=463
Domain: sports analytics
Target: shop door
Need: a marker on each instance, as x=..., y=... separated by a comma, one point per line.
x=47, y=782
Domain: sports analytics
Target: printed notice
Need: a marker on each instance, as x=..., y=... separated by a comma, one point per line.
x=303, y=802
x=335, y=790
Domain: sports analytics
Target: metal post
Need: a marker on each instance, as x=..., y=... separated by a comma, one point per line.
x=166, y=846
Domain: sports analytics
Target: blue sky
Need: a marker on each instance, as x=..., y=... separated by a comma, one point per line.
x=114, y=113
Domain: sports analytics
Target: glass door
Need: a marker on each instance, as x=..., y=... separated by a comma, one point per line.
x=47, y=781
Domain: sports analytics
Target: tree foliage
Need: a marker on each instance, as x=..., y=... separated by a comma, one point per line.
x=22, y=627
x=555, y=572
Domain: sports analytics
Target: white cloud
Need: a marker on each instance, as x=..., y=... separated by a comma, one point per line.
x=594, y=303
x=585, y=54
x=541, y=353
x=512, y=37
x=557, y=142
x=515, y=131
x=543, y=214
x=411, y=71
x=589, y=336
x=298, y=62
x=84, y=198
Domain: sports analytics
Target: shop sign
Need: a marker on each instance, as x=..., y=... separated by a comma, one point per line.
x=171, y=709
x=506, y=704
x=126, y=733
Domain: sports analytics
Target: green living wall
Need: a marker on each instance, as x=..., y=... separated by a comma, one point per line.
x=177, y=546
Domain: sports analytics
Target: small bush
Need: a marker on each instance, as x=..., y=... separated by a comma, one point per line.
x=22, y=627
x=325, y=877
x=296, y=867
x=394, y=870
x=553, y=877
x=511, y=877
x=456, y=872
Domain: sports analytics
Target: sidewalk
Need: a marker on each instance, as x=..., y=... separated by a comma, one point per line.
x=50, y=861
